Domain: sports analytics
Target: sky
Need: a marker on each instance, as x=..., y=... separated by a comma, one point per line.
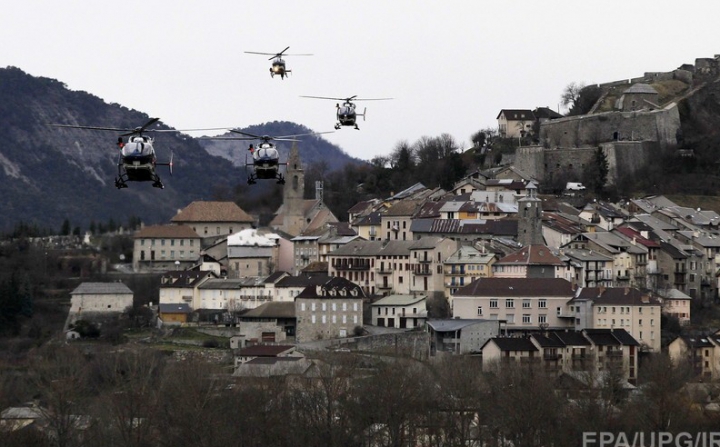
x=450, y=65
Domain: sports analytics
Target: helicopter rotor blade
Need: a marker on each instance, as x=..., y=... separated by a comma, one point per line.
x=280, y=53
x=245, y=133
x=71, y=126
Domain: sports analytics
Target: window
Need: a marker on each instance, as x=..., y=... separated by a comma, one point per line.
x=542, y=318
x=312, y=307
x=324, y=318
x=324, y=307
x=334, y=319
x=510, y=304
x=344, y=319
x=542, y=304
x=479, y=310
x=312, y=319
x=355, y=307
x=302, y=307
x=493, y=304
x=526, y=304
x=334, y=307
x=510, y=318
x=344, y=306
x=355, y=319
x=527, y=319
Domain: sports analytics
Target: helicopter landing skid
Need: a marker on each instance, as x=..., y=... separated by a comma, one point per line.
x=120, y=184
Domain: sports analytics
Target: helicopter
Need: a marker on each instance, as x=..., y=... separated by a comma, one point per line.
x=137, y=160
x=346, y=114
x=278, y=64
x=265, y=157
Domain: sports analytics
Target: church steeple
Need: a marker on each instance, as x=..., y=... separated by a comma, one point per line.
x=530, y=217
x=294, y=217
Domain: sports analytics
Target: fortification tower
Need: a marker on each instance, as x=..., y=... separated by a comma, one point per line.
x=530, y=218
x=293, y=212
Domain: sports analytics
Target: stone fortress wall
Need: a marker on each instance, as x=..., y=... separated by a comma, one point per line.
x=629, y=139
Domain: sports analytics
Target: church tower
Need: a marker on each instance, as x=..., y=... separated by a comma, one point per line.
x=293, y=209
x=530, y=218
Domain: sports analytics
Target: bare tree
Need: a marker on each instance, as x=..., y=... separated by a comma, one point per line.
x=571, y=94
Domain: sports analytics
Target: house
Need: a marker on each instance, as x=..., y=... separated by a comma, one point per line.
x=181, y=287
x=271, y=322
x=232, y=295
x=252, y=352
x=400, y=311
x=503, y=351
x=161, y=248
x=251, y=253
x=288, y=287
x=465, y=230
x=98, y=300
x=596, y=351
x=174, y=313
x=701, y=352
x=426, y=264
x=523, y=303
x=514, y=123
x=675, y=303
x=460, y=336
x=464, y=266
x=587, y=268
x=395, y=222
x=272, y=367
x=379, y=267
x=614, y=350
x=368, y=226
x=531, y=261
x=213, y=219
x=330, y=310
x=627, y=308
x=629, y=259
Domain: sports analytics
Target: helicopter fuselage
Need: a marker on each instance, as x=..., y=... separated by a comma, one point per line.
x=137, y=161
x=278, y=68
x=265, y=161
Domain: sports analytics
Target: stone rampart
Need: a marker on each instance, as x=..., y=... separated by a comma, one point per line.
x=591, y=130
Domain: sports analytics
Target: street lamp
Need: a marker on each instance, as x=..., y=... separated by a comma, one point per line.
x=177, y=265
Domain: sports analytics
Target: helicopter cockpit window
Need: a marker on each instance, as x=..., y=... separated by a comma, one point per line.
x=266, y=153
x=136, y=149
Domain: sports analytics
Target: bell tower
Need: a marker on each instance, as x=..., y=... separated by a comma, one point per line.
x=530, y=218
x=293, y=213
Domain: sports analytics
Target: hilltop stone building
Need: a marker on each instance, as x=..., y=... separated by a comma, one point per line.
x=629, y=122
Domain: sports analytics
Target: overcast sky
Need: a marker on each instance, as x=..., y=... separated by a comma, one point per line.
x=450, y=65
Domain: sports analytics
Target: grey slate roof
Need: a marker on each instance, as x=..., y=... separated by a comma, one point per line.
x=174, y=308
x=399, y=300
x=101, y=288
x=453, y=324
x=272, y=309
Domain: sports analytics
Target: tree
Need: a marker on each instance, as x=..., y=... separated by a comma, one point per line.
x=595, y=173
x=65, y=229
x=571, y=94
x=579, y=98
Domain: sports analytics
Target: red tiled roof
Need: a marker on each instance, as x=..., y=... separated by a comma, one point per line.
x=535, y=254
x=166, y=231
x=212, y=212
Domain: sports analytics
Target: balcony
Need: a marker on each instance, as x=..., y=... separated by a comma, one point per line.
x=426, y=272
x=614, y=353
x=424, y=261
x=551, y=356
x=359, y=266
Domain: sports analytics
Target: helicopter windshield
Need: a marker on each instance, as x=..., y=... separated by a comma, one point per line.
x=263, y=153
x=137, y=148
x=346, y=111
